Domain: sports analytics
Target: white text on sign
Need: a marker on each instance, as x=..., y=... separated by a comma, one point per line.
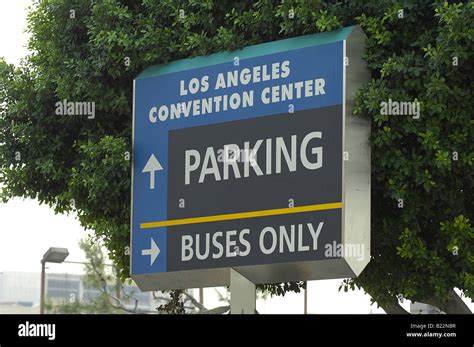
x=233, y=243
x=276, y=153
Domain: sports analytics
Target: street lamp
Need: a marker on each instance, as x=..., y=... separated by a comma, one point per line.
x=52, y=255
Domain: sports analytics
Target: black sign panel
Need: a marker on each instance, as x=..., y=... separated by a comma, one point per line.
x=284, y=161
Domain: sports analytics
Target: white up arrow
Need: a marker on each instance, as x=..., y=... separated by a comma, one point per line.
x=151, y=166
x=153, y=252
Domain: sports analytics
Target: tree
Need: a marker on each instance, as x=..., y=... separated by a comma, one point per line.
x=111, y=298
x=422, y=175
x=114, y=297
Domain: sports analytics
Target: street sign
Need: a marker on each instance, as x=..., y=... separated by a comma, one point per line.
x=252, y=160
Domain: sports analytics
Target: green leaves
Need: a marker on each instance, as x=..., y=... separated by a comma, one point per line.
x=280, y=289
x=460, y=235
x=411, y=246
x=375, y=28
x=326, y=22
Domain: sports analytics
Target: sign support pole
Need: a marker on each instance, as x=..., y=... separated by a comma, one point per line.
x=242, y=294
x=43, y=280
x=306, y=299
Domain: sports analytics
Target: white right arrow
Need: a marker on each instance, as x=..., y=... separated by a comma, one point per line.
x=151, y=166
x=152, y=252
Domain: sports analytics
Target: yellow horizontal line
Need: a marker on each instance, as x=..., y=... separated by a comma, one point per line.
x=241, y=215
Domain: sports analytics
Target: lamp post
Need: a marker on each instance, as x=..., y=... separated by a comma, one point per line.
x=52, y=255
x=306, y=298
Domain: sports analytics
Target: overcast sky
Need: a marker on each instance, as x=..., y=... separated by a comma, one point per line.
x=27, y=229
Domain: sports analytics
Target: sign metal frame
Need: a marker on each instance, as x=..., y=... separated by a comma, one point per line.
x=355, y=204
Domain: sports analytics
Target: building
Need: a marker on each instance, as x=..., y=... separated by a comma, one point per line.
x=20, y=292
x=420, y=308
x=20, y=287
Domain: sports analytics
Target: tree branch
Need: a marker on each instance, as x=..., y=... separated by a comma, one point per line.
x=453, y=305
x=217, y=310
x=196, y=303
x=388, y=303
